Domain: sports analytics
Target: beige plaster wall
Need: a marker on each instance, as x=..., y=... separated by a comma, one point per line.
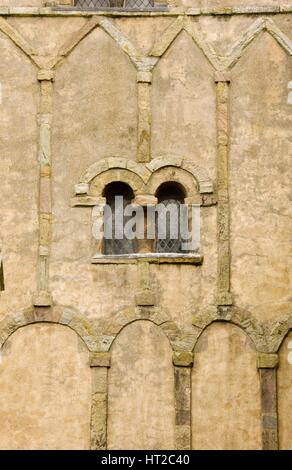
x=185, y=289
x=185, y=89
x=46, y=34
x=18, y=175
x=260, y=176
x=95, y=116
x=228, y=3
x=285, y=394
x=45, y=390
x=225, y=391
x=141, y=390
x=22, y=3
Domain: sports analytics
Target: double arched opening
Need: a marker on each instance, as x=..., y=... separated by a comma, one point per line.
x=154, y=228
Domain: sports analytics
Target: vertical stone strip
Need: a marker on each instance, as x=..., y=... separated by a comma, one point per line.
x=99, y=363
x=145, y=296
x=144, y=80
x=46, y=78
x=267, y=365
x=97, y=218
x=183, y=362
x=224, y=297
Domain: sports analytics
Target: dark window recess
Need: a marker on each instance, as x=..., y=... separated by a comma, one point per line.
x=126, y=4
x=1, y=274
x=113, y=245
x=170, y=195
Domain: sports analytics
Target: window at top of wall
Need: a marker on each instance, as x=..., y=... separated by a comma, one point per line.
x=115, y=4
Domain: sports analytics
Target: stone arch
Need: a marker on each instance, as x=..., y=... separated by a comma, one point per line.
x=234, y=316
x=204, y=183
x=113, y=327
x=65, y=316
x=99, y=183
x=279, y=331
x=175, y=175
x=105, y=164
x=138, y=175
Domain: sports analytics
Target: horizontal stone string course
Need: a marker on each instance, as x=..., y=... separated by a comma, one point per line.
x=220, y=11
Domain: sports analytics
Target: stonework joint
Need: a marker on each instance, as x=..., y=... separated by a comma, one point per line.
x=100, y=359
x=183, y=359
x=267, y=361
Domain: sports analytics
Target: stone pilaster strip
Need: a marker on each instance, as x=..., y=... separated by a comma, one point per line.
x=223, y=222
x=99, y=363
x=267, y=364
x=144, y=79
x=97, y=220
x=182, y=384
x=46, y=77
x=145, y=296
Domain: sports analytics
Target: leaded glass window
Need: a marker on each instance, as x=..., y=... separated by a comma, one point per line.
x=168, y=233
x=118, y=197
x=127, y=4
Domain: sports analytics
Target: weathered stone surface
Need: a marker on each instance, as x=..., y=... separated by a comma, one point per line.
x=81, y=188
x=48, y=75
x=145, y=298
x=145, y=200
x=42, y=299
x=182, y=437
x=183, y=358
x=99, y=359
x=267, y=361
x=269, y=409
x=83, y=104
x=98, y=421
x=144, y=77
x=144, y=122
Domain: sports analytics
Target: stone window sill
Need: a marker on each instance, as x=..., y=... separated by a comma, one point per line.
x=153, y=258
x=162, y=8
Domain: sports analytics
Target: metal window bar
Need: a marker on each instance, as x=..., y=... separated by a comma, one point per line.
x=126, y=4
